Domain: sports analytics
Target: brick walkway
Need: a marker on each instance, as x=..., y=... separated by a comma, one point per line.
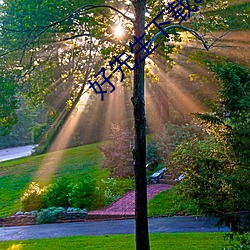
x=124, y=207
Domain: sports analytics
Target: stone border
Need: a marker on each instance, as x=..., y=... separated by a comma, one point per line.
x=30, y=219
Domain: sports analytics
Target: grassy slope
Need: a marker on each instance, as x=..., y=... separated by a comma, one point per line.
x=169, y=203
x=173, y=241
x=16, y=175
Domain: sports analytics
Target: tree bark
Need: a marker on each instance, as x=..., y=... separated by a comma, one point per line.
x=139, y=151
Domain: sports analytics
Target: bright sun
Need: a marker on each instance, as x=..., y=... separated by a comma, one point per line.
x=119, y=30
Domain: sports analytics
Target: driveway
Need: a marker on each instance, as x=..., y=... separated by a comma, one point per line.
x=156, y=225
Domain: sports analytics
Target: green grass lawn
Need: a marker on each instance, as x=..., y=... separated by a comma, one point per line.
x=170, y=241
x=16, y=175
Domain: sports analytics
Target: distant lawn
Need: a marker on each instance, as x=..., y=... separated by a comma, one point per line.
x=16, y=175
x=170, y=241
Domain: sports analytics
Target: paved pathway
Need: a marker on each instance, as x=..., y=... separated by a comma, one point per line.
x=156, y=225
x=125, y=206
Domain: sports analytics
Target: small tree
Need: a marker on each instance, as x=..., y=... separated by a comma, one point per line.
x=118, y=156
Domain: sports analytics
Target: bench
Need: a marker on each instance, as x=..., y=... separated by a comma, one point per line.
x=155, y=177
x=182, y=176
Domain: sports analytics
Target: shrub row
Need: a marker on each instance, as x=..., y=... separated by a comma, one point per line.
x=90, y=194
x=61, y=193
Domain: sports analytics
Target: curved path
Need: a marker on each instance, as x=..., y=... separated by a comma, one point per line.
x=125, y=206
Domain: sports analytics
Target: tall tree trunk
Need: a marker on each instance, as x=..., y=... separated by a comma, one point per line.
x=139, y=152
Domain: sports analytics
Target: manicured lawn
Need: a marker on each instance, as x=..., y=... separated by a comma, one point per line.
x=173, y=241
x=16, y=175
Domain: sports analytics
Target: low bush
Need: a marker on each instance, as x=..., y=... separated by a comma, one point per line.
x=153, y=158
x=238, y=241
x=87, y=193
x=57, y=193
x=78, y=210
x=123, y=185
x=81, y=194
x=33, y=198
x=103, y=194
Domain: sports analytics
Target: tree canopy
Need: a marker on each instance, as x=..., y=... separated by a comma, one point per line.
x=53, y=43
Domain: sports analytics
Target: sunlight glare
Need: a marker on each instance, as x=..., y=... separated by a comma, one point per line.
x=51, y=162
x=119, y=31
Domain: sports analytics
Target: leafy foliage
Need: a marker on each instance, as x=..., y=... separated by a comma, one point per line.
x=243, y=242
x=165, y=142
x=89, y=193
x=56, y=194
x=217, y=168
x=234, y=17
x=54, y=46
x=8, y=105
x=81, y=194
x=109, y=189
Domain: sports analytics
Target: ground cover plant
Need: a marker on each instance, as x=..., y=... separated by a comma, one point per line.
x=170, y=241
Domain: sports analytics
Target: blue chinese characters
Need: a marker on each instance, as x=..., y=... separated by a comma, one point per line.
x=178, y=9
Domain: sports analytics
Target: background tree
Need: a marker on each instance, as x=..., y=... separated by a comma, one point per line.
x=217, y=168
x=118, y=155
